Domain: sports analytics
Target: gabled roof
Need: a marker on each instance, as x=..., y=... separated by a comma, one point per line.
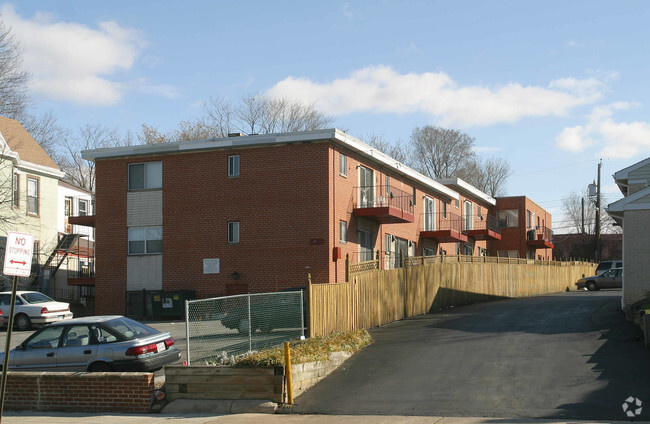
x=621, y=178
x=637, y=201
x=334, y=135
x=21, y=142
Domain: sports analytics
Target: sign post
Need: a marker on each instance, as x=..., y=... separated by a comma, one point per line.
x=18, y=262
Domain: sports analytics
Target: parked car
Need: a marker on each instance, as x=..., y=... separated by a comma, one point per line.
x=605, y=265
x=612, y=278
x=267, y=312
x=94, y=344
x=33, y=307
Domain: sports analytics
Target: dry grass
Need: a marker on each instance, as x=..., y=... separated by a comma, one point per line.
x=309, y=350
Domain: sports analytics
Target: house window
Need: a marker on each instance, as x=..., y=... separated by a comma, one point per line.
x=32, y=196
x=444, y=209
x=388, y=241
x=16, y=191
x=146, y=175
x=67, y=208
x=145, y=240
x=429, y=252
x=457, y=203
x=83, y=207
x=508, y=218
x=233, y=166
x=468, y=250
x=528, y=222
x=343, y=165
x=343, y=231
x=387, y=184
x=233, y=232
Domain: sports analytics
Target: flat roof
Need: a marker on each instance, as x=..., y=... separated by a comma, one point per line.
x=333, y=135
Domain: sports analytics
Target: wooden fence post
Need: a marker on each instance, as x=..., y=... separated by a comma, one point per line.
x=347, y=267
x=310, y=315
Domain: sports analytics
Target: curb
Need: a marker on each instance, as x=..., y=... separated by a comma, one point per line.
x=220, y=406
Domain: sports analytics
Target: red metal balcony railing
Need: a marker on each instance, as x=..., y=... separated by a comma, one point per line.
x=384, y=204
x=482, y=227
x=443, y=227
x=540, y=238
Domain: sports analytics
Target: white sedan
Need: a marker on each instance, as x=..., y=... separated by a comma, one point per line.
x=33, y=308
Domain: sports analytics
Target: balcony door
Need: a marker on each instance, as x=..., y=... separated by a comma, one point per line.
x=366, y=246
x=469, y=216
x=429, y=214
x=366, y=187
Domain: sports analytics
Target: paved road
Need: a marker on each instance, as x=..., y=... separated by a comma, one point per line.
x=565, y=356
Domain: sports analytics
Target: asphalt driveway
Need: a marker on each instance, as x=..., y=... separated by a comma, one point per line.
x=570, y=355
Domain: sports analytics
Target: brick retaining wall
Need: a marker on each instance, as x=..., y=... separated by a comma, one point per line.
x=79, y=392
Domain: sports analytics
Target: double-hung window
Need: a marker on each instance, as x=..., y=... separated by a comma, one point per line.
x=233, y=232
x=145, y=240
x=343, y=165
x=83, y=207
x=16, y=191
x=233, y=166
x=32, y=196
x=146, y=175
x=343, y=231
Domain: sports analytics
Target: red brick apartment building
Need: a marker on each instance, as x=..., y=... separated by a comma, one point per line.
x=258, y=213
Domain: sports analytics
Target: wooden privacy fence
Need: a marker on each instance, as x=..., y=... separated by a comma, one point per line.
x=373, y=297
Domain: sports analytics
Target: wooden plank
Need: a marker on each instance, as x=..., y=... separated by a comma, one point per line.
x=217, y=370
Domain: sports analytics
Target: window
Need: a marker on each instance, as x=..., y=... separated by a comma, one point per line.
x=387, y=184
x=508, y=218
x=343, y=231
x=233, y=166
x=429, y=214
x=468, y=250
x=388, y=241
x=457, y=203
x=444, y=209
x=429, y=252
x=233, y=232
x=343, y=165
x=469, y=218
x=145, y=175
x=67, y=208
x=32, y=196
x=478, y=212
x=83, y=207
x=145, y=240
x=16, y=191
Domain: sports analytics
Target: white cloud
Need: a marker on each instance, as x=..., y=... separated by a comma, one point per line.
x=72, y=62
x=616, y=140
x=381, y=89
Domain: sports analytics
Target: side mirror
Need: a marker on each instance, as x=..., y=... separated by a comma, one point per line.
x=19, y=347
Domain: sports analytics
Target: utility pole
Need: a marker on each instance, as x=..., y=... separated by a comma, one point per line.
x=600, y=164
x=583, y=215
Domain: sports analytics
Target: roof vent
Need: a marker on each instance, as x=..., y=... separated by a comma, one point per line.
x=237, y=134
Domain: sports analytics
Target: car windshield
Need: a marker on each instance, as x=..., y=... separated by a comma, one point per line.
x=36, y=297
x=129, y=328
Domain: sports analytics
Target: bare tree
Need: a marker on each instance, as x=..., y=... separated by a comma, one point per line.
x=14, y=80
x=150, y=135
x=488, y=175
x=47, y=132
x=572, y=208
x=80, y=171
x=439, y=152
x=395, y=150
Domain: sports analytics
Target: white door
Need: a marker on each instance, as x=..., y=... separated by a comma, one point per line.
x=469, y=216
x=429, y=214
x=366, y=187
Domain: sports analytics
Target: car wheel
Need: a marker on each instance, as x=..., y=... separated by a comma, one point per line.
x=100, y=367
x=591, y=286
x=266, y=327
x=243, y=327
x=22, y=322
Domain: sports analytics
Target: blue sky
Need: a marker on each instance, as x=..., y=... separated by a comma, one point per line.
x=552, y=87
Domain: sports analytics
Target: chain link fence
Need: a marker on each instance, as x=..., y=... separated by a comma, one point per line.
x=243, y=323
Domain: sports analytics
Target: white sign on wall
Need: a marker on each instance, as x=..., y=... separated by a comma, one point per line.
x=211, y=266
x=18, y=254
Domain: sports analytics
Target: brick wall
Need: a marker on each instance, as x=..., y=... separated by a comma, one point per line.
x=514, y=238
x=79, y=392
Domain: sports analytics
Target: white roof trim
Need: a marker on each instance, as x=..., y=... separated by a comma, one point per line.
x=335, y=135
x=473, y=191
x=32, y=167
x=628, y=203
x=624, y=173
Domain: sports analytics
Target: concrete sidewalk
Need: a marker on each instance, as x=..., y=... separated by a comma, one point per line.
x=82, y=418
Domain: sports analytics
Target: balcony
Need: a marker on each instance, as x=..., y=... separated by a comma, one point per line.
x=443, y=228
x=540, y=238
x=482, y=227
x=384, y=204
x=85, y=220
